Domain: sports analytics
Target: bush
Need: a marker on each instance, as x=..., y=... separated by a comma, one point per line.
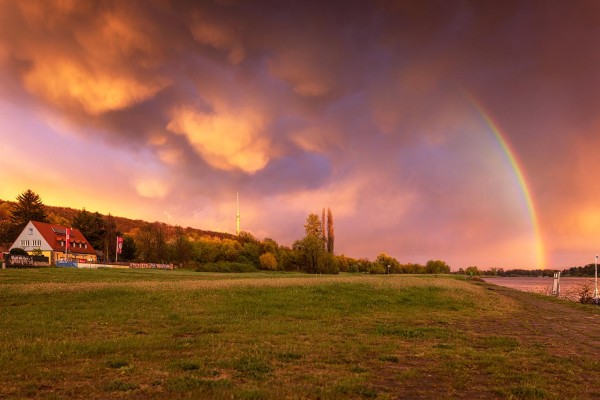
x=17, y=251
x=377, y=269
x=268, y=261
x=226, y=266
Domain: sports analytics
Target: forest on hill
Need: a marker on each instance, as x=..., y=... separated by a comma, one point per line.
x=199, y=249
x=65, y=215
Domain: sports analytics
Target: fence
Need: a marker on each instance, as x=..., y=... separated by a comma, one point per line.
x=88, y=265
x=151, y=266
x=21, y=261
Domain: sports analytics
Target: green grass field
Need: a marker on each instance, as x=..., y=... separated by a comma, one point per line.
x=180, y=334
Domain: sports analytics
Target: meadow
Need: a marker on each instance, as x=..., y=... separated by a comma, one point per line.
x=98, y=334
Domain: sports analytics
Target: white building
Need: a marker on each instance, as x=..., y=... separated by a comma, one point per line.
x=50, y=241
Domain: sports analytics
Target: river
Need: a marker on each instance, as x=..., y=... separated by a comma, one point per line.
x=570, y=288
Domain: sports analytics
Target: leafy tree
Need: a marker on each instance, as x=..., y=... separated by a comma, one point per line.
x=384, y=261
x=310, y=250
x=309, y=253
x=6, y=233
x=151, y=243
x=229, y=250
x=129, y=251
x=182, y=247
x=246, y=237
x=268, y=261
x=206, y=250
x=412, y=268
x=364, y=265
x=57, y=219
x=269, y=245
x=37, y=252
x=285, y=259
x=375, y=268
x=437, y=267
x=251, y=252
x=313, y=226
x=110, y=238
x=92, y=227
x=472, y=271
x=5, y=210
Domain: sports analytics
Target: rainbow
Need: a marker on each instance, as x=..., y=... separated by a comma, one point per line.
x=516, y=166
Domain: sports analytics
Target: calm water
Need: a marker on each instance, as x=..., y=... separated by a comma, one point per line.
x=569, y=287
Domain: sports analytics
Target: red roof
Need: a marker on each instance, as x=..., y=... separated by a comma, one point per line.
x=54, y=234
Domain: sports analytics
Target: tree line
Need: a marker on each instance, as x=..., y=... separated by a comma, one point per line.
x=587, y=270
x=191, y=248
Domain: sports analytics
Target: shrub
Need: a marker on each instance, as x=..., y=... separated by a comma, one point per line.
x=268, y=261
x=225, y=266
x=17, y=251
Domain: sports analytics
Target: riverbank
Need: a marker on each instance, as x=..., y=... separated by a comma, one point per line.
x=571, y=288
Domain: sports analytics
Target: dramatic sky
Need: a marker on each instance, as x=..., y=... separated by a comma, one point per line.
x=466, y=131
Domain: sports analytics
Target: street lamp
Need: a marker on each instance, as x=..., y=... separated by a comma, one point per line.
x=596, y=277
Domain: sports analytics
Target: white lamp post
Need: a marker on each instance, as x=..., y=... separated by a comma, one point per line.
x=596, y=277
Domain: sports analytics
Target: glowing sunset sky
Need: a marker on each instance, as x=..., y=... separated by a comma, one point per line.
x=466, y=131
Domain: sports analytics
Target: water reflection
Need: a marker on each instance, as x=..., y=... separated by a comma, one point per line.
x=570, y=288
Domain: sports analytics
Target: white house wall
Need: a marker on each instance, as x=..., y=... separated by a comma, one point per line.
x=28, y=237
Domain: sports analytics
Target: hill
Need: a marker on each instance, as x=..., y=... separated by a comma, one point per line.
x=65, y=215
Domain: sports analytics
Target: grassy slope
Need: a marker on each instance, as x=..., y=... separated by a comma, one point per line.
x=176, y=334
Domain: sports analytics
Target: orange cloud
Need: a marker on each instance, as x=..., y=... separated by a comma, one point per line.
x=88, y=68
x=221, y=38
x=304, y=72
x=226, y=140
x=151, y=188
x=67, y=83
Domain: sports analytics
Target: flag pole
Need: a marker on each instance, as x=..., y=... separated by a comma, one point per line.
x=67, y=238
x=117, y=251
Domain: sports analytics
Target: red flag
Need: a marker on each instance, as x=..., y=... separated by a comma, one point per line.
x=119, y=245
x=67, y=237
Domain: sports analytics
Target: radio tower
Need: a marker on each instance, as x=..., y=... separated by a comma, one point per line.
x=237, y=214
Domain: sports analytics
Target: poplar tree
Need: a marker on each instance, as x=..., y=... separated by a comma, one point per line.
x=330, y=231
x=323, y=231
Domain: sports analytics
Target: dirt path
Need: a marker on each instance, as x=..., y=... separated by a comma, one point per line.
x=565, y=327
x=562, y=339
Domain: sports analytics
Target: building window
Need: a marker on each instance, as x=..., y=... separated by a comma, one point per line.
x=85, y=245
x=37, y=242
x=31, y=231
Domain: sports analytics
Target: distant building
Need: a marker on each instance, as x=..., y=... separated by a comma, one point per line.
x=50, y=239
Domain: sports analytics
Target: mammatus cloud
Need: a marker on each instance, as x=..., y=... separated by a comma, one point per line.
x=65, y=83
x=357, y=105
x=225, y=140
